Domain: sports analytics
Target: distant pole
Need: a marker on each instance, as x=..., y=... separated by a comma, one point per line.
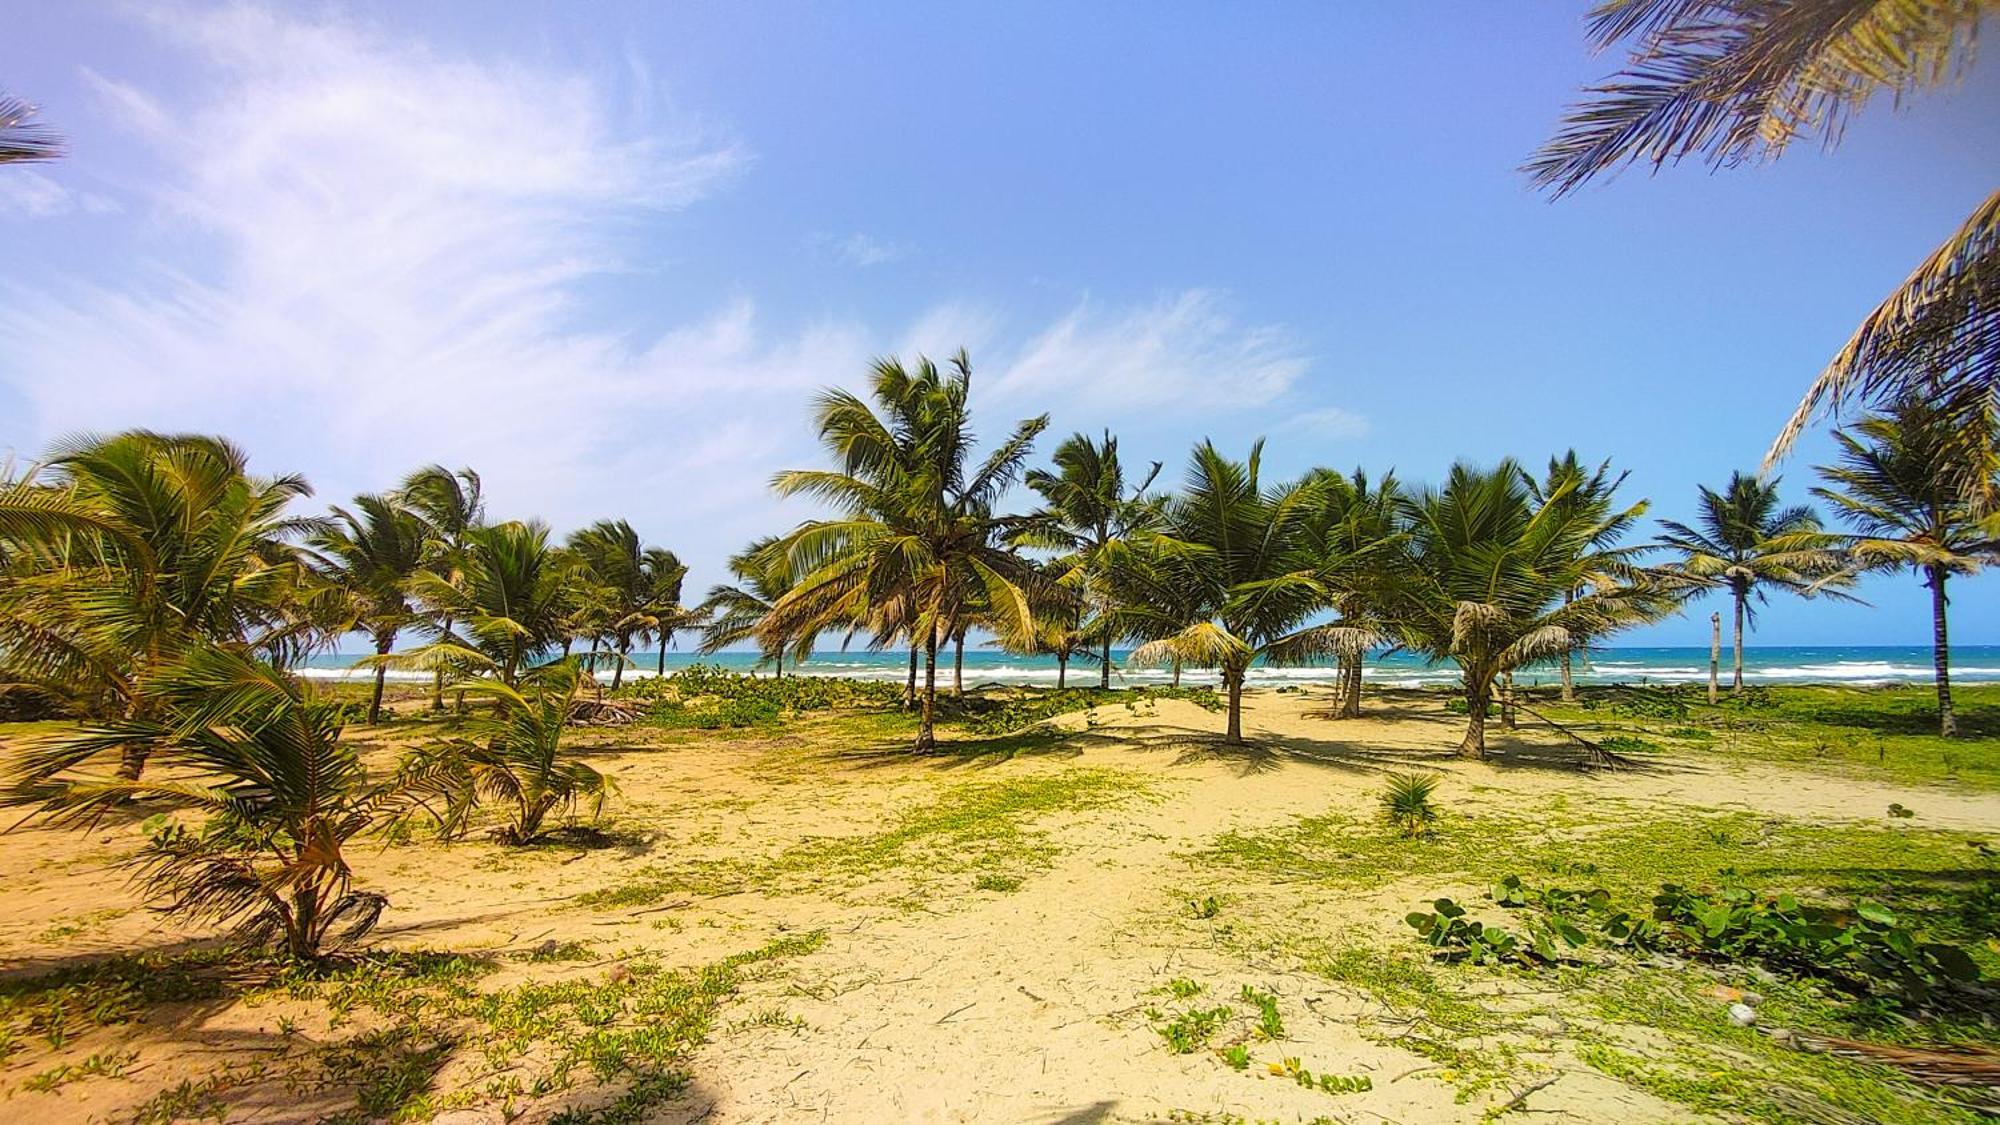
x=1714, y=654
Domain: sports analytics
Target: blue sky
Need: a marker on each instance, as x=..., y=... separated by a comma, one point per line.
x=604, y=253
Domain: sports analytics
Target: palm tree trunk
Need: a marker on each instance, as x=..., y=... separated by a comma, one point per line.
x=132, y=760
x=1062, y=670
x=1507, y=700
x=1941, y=654
x=958, y=666
x=1177, y=671
x=1104, y=666
x=1569, y=684
x=927, y=730
x=910, y=688
x=1233, y=677
x=382, y=648
x=437, y=677
x=1736, y=683
x=778, y=669
x=660, y=669
x=1714, y=654
x=618, y=672
x=1478, y=692
x=1352, y=709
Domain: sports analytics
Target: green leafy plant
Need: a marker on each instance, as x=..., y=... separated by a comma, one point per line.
x=1191, y=1030
x=1406, y=803
x=1269, y=1024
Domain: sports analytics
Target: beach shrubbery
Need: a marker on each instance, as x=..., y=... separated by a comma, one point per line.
x=1041, y=706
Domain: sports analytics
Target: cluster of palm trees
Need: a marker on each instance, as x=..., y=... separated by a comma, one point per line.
x=1496, y=570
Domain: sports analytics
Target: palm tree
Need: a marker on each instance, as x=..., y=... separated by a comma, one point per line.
x=1739, y=81
x=1353, y=533
x=371, y=558
x=628, y=579
x=451, y=504
x=1907, y=482
x=742, y=612
x=660, y=611
x=21, y=139
x=1591, y=492
x=170, y=546
x=514, y=756
x=281, y=791
x=1487, y=568
x=1747, y=544
x=510, y=601
x=1232, y=572
x=1087, y=515
x=917, y=528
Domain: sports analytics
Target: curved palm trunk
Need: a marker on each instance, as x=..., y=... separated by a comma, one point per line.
x=910, y=687
x=1350, y=688
x=618, y=672
x=1507, y=700
x=382, y=647
x=958, y=666
x=1104, y=667
x=1941, y=654
x=1736, y=680
x=926, y=729
x=660, y=667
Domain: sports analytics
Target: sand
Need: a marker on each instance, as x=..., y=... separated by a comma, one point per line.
x=967, y=1006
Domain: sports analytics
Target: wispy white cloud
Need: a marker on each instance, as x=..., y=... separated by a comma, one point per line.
x=859, y=249
x=1186, y=351
x=1325, y=422
x=28, y=194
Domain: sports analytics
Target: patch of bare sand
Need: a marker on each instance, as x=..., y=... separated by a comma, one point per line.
x=973, y=1006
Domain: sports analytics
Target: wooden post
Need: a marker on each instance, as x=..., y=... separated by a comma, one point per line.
x=1714, y=655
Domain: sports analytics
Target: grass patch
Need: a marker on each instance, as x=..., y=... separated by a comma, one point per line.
x=981, y=827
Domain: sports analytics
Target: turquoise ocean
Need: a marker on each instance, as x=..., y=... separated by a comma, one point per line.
x=1851, y=664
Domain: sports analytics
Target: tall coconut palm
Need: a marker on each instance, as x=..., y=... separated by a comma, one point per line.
x=1748, y=544
x=917, y=527
x=1088, y=515
x=508, y=603
x=451, y=504
x=1491, y=581
x=1593, y=493
x=1233, y=572
x=742, y=612
x=661, y=613
x=1735, y=82
x=21, y=139
x=371, y=558
x=1353, y=533
x=193, y=552
x=282, y=795
x=622, y=572
x=1909, y=482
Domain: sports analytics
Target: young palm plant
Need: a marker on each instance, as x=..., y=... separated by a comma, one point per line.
x=1233, y=573
x=1592, y=492
x=1747, y=544
x=512, y=756
x=509, y=601
x=168, y=545
x=450, y=504
x=1406, y=803
x=1353, y=533
x=917, y=547
x=742, y=612
x=1486, y=571
x=623, y=572
x=1911, y=483
x=370, y=559
x=283, y=796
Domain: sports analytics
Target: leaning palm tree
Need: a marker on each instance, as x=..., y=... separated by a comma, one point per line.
x=1491, y=578
x=508, y=605
x=1733, y=82
x=513, y=756
x=738, y=613
x=281, y=792
x=370, y=559
x=660, y=612
x=1908, y=482
x=450, y=504
x=620, y=570
x=1233, y=572
x=1088, y=515
x=1747, y=544
x=21, y=139
x=916, y=529
x=1592, y=492
x=169, y=545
